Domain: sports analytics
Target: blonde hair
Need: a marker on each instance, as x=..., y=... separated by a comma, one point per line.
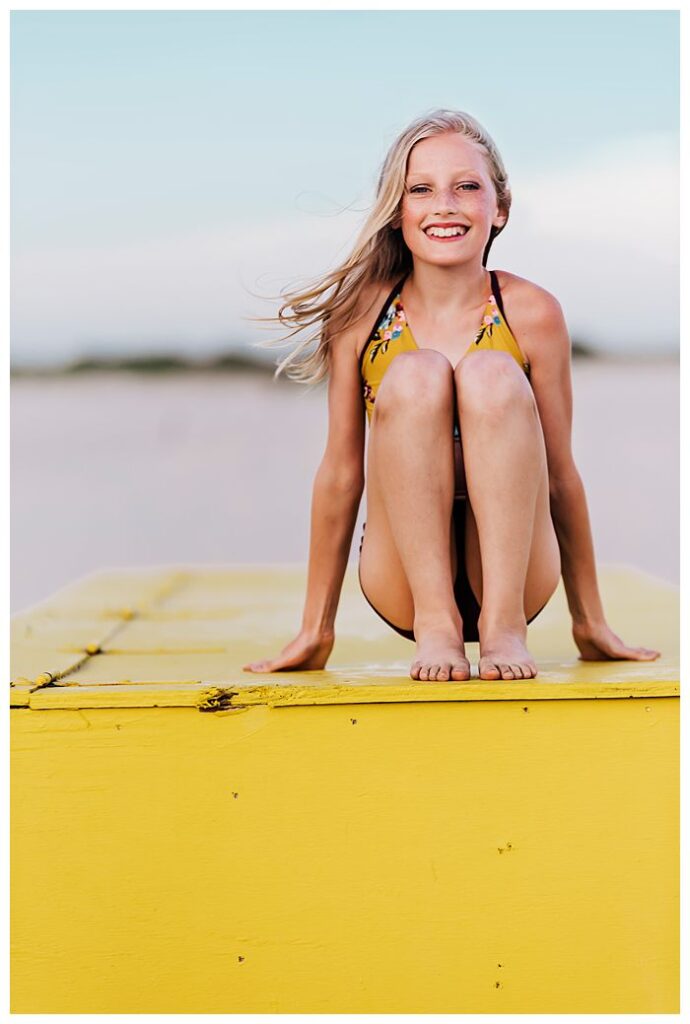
x=379, y=252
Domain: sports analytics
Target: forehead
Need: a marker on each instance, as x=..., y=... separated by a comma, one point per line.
x=448, y=152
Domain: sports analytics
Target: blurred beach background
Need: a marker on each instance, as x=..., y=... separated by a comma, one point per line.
x=173, y=171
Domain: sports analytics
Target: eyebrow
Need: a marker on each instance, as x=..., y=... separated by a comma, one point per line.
x=426, y=174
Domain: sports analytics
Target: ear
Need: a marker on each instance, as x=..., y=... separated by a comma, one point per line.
x=500, y=219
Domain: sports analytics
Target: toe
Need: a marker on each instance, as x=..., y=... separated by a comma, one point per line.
x=517, y=671
x=443, y=673
x=506, y=672
x=414, y=670
x=487, y=670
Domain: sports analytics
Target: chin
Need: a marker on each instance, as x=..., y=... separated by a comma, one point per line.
x=449, y=260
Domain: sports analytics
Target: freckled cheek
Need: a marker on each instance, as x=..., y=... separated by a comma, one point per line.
x=410, y=218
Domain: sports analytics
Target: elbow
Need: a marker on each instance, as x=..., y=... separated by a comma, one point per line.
x=563, y=482
x=351, y=486
x=347, y=481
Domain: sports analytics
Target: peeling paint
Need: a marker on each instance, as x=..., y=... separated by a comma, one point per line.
x=216, y=699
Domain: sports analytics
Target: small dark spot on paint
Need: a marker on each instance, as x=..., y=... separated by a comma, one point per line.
x=525, y=709
x=504, y=849
x=499, y=965
x=235, y=795
x=240, y=959
x=354, y=721
x=118, y=726
x=497, y=984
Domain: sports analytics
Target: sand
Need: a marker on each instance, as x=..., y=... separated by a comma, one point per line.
x=125, y=470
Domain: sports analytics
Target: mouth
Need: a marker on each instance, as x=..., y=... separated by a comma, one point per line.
x=447, y=234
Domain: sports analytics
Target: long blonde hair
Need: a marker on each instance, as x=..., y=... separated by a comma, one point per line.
x=379, y=253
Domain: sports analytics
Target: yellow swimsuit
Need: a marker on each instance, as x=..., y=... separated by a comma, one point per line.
x=392, y=335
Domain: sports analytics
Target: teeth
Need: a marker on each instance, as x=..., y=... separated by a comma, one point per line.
x=446, y=232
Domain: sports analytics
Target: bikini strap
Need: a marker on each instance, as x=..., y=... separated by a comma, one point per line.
x=496, y=291
x=379, y=318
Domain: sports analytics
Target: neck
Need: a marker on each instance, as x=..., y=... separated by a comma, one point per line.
x=448, y=289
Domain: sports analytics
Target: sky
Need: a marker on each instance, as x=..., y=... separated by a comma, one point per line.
x=172, y=170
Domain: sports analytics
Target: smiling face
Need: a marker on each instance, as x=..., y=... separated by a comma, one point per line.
x=448, y=183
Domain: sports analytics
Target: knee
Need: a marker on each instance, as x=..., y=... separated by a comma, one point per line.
x=415, y=374
x=489, y=381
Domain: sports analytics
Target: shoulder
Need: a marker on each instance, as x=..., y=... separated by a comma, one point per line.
x=534, y=314
x=527, y=301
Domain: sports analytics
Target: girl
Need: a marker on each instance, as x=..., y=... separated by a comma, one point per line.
x=474, y=504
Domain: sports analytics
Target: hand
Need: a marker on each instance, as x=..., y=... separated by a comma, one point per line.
x=597, y=642
x=309, y=650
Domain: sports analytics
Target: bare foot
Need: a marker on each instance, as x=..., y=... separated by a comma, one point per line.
x=504, y=655
x=440, y=654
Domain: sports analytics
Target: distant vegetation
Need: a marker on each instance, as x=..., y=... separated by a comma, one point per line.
x=226, y=362
x=580, y=349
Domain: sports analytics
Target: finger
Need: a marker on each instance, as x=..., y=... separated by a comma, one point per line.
x=624, y=653
x=263, y=666
x=277, y=664
x=644, y=654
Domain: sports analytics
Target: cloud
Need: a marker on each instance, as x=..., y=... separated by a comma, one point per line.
x=601, y=234
x=186, y=292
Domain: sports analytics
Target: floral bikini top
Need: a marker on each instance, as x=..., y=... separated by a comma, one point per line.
x=392, y=335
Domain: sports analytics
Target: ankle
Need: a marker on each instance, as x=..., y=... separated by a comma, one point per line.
x=437, y=622
x=511, y=623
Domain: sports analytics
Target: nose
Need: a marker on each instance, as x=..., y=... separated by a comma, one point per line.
x=446, y=201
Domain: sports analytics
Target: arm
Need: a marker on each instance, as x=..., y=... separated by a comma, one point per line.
x=334, y=509
x=549, y=353
x=336, y=495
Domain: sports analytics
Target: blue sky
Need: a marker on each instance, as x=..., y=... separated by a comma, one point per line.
x=165, y=162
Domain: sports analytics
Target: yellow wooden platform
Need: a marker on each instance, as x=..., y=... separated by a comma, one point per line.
x=188, y=837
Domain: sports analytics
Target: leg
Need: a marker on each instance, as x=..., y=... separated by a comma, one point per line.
x=512, y=553
x=408, y=557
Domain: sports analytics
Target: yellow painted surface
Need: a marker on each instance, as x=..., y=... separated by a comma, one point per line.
x=179, y=628
x=348, y=841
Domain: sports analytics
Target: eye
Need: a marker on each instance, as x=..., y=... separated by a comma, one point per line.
x=465, y=184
